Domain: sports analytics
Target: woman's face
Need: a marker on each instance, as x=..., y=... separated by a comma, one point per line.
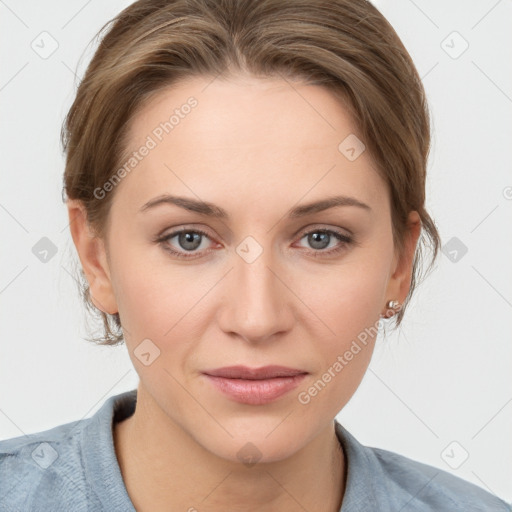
x=262, y=286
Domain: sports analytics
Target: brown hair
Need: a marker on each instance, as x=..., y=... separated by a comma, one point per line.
x=345, y=45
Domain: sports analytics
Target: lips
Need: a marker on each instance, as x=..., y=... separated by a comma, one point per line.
x=255, y=386
x=244, y=372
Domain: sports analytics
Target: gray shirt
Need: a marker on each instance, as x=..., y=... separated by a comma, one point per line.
x=73, y=468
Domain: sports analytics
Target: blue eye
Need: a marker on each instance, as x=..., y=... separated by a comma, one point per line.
x=190, y=240
x=317, y=238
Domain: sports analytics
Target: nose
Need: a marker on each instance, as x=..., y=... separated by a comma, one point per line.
x=258, y=303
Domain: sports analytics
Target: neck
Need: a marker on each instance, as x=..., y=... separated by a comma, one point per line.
x=164, y=468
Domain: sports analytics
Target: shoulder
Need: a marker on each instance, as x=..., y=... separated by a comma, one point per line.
x=38, y=469
x=72, y=466
x=383, y=480
x=431, y=488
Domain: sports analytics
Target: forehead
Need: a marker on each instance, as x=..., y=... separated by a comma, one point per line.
x=247, y=111
x=250, y=136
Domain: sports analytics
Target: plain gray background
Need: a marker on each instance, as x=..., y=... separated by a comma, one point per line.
x=438, y=390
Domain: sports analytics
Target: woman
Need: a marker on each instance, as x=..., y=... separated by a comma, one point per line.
x=245, y=186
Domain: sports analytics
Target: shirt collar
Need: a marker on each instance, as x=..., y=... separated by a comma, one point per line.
x=100, y=461
x=103, y=472
x=362, y=470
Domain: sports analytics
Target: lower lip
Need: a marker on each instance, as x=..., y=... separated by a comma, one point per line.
x=256, y=392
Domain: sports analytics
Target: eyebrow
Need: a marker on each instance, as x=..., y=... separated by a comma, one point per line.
x=214, y=211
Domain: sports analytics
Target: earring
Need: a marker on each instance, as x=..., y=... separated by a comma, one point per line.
x=392, y=305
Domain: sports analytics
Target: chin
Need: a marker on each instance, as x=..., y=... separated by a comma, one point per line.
x=256, y=444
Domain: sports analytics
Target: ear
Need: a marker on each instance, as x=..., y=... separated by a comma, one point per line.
x=400, y=282
x=93, y=257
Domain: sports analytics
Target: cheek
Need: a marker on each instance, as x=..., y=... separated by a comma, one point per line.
x=344, y=348
x=346, y=303
x=148, y=294
x=346, y=298
x=161, y=300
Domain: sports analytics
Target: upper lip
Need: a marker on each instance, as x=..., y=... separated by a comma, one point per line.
x=245, y=372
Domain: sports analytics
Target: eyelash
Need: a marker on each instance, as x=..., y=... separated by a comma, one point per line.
x=346, y=241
